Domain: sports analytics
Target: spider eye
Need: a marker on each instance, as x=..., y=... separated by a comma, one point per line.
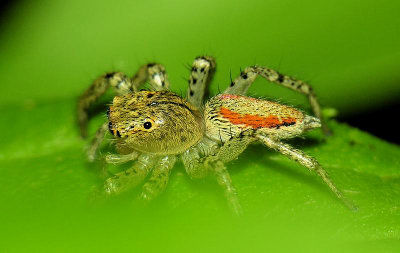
x=110, y=128
x=147, y=125
x=119, y=134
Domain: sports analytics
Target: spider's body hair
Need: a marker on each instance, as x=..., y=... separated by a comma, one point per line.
x=229, y=115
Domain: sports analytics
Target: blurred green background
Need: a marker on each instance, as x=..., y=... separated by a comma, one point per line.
x=50, y=52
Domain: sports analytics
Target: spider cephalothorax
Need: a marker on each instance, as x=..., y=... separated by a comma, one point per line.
x=155, y=122
x=154, y=127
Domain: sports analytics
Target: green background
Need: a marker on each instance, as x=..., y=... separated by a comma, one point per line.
x=50, y=51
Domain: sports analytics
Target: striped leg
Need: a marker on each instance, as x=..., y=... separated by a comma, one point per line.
x=129, y=178
x=96, y=142
x=153, y=73
x=201, y=74
x=241, y=84
x=307, y=161
x=117, y=80
x=224, y=180
x=159, y=178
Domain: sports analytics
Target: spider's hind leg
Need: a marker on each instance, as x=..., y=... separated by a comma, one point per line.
x=241, y=84
x=307, y=161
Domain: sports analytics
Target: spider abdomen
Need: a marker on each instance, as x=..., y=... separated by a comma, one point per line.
x=228, y=115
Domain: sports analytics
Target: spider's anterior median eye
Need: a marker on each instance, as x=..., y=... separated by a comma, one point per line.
x=147, y=125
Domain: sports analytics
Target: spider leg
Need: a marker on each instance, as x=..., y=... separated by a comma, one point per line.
x=96, y=142
x=224, y=180
x=307, y=161
x=229, y=150
x=131, y=177
x=199, y=167
x=118, y=158
x=153, y=73
x=241, y=84
x=117, y=80
x=159, y=178
x=202, y=71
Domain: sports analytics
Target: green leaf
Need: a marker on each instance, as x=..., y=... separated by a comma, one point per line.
x=46, y=183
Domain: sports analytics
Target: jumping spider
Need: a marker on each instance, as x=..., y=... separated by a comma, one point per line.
x=155, y=127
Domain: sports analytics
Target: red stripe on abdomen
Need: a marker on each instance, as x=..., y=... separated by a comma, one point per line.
x=255, y=121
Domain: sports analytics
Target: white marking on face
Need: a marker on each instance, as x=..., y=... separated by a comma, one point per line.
x=157, y=79
x=159, y=121
x=120, y=84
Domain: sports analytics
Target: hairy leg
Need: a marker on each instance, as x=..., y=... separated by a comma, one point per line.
x=208, y=157
x=118, y=159
x=97, y=140
x=241, y=84
x=224, y=180
x=202, y=71
x=153, y=73
x=307, y=161
x=120, y=83
x=199, y=167
x=159, y=178
x=131, y=177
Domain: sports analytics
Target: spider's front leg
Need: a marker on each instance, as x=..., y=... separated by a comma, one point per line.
x=307, y=161
x=159, y=178
x=97, y=140
x=241, y=84
x=131, y=177
x=118, y=158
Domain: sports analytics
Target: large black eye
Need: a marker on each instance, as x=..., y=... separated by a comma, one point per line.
x=110, y=128
x=147, y=125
